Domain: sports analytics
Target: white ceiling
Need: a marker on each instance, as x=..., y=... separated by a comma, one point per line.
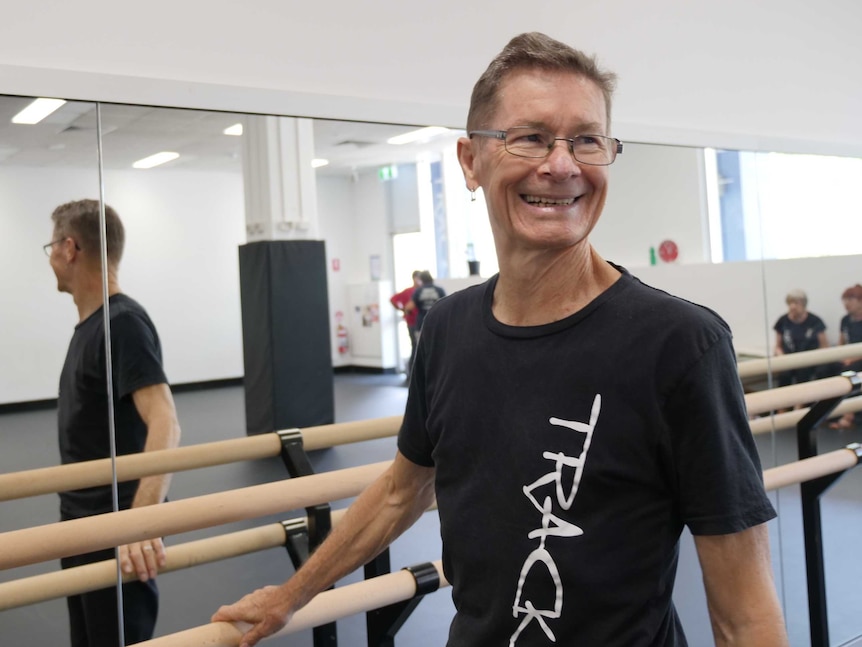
x=67, y=138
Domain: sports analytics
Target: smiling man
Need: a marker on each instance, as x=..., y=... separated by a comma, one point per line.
x=570, y=419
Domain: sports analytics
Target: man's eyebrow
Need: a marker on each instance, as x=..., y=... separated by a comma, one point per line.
x=584, y=128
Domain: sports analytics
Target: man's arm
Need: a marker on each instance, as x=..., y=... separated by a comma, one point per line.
x=155, y=405
x=382, y=512
x=740, y=591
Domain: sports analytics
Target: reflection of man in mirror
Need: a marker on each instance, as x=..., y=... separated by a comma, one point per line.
x=562, y=369
x=144, y=415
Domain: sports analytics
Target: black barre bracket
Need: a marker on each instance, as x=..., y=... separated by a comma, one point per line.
x=302, y=537
x=382, y=624
x=811, y=491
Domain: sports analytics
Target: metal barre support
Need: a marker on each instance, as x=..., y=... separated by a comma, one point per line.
x=811, y=491
x=382, y=624
x=302, y=538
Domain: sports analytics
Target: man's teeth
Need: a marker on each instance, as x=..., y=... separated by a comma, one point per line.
x=534, y=199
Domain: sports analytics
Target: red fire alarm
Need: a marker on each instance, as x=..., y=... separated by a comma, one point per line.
x=668, y=251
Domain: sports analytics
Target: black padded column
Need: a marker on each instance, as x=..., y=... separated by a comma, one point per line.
x=285, y=335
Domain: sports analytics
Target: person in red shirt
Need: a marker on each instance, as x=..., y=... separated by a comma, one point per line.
x=403, y=301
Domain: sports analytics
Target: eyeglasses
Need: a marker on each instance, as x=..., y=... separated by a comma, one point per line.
x=526, y=141
x=47, y=247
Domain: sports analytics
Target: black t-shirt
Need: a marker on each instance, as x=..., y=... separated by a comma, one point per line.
x=83, y=399
x=796, y=337
x=569, y=457
x=852, y=330
x=424, y=298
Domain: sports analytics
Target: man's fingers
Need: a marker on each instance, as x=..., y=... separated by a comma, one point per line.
x=143, y=558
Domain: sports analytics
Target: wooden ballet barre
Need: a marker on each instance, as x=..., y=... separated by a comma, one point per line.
x=790, y=419
x=809, y=469
x=377, y=592
x=326, y=607
x=787, y=396
x=99, y=575
x=802, y=359
x=75, y=476
x=78, y=536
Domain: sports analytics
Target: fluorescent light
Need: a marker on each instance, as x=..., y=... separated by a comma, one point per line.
x=155, y=160
x=423, y=134
x=317, y=162
x=37, y=111
x=235, y=130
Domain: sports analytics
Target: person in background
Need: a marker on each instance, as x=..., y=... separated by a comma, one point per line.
x=570, y=420
x=424, y=298
x=144, y=414
x=798, y=330
x=403, y=301
x=851, y=333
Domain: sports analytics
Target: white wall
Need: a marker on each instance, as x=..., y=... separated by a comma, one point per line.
x=335, y=217
x=183, y=229
x=774, y=74
x=36, y=321
x=656, y=193
x=750, y=295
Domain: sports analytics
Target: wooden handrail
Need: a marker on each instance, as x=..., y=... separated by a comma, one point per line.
x=74, y=476
x=326, y=607
x=78, y=536
x=803, y=359
x=787, y=396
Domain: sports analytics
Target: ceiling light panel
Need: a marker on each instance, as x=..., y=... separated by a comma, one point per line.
x=37, y=111
x=156, y=160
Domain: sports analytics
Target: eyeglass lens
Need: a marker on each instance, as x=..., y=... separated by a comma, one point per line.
x=535, y=142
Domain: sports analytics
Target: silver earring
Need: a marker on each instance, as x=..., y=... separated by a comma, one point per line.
x=472, y=195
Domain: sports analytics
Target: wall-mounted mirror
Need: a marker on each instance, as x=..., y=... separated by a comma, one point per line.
x=383, y=209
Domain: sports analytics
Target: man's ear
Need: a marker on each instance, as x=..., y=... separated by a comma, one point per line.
x=467, y=159
x=70, y=250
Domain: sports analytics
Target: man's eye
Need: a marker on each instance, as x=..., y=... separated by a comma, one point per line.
x=530, y=137
x=588, y=140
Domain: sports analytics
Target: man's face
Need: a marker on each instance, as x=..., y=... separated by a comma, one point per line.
x=549, y=203
x=853, y=306
x=58, y=261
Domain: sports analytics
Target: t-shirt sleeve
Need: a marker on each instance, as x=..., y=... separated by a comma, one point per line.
x=413, y=440
x=136, y=354
x=717, y=468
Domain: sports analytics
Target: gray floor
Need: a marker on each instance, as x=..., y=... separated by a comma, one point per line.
x=190, y=596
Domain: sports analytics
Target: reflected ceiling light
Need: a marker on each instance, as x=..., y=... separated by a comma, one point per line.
x=317, y=162
x=235, y=130
x=155, y=160
x=37, y=111
x=423, y=134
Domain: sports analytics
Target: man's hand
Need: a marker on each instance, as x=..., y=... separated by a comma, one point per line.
x=144, y=558
x=266, y=609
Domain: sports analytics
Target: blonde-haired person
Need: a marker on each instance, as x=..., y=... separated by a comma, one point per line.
x=795, y=331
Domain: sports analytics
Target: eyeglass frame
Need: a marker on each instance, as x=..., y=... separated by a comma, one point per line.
x=48, y=247
x=501, y=135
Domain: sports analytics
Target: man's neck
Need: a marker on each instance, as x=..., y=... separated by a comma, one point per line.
x=89, y=297
x=546, y=287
